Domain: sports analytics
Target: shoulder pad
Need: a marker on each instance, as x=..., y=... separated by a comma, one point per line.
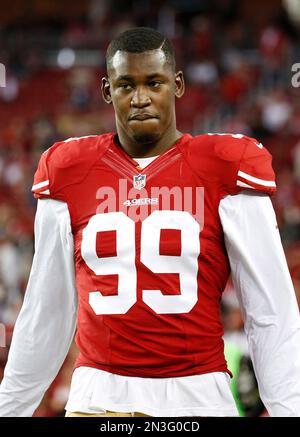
x=65, y=163
x=238, y=162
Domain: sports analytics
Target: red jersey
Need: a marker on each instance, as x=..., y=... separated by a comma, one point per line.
x=151, y=263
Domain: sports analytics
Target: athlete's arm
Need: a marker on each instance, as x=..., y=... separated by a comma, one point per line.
x=45, y=327
x=266, y=294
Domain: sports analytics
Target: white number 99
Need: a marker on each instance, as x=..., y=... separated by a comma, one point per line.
x=186, y=265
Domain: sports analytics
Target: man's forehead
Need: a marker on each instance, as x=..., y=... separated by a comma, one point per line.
x=125, y=63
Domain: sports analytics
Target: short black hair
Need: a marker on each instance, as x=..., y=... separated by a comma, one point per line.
x=139, y=40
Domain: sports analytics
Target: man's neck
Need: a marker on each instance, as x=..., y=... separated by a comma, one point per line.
x=140, y=150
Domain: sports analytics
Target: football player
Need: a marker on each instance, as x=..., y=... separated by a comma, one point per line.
x=136, y=233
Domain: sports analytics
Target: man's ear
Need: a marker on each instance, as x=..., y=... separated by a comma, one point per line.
x=105, y=88
x=179, y=84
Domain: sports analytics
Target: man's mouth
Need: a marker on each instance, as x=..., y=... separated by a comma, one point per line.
x=142, y=117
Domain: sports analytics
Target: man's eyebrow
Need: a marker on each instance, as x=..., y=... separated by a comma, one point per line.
x=124, y=77
x=151, y=76
x=130, y=78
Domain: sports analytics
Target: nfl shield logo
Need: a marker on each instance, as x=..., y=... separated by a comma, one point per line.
x=139, y=181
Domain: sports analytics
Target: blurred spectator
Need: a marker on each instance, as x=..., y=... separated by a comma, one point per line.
x=232, y=320
x=276, y=111
x=11, y=90
x=243, y=383
x=275, y=50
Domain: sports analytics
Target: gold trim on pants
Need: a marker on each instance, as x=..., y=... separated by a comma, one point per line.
x=107, y=414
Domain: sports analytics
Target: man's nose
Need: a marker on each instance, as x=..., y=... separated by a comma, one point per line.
x=140, y=98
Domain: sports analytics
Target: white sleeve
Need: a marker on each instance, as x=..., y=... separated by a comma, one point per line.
x=264, y=287
x=46, y=324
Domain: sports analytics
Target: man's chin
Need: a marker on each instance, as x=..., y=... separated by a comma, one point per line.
x=146, y=137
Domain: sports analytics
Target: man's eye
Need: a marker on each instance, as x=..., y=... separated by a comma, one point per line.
x=154, y=84
x=125, y=86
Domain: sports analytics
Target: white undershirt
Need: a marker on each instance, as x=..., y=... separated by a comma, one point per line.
x=143, y=162
x=263, y=284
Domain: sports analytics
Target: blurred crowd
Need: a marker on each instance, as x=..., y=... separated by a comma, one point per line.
x=238, y=79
